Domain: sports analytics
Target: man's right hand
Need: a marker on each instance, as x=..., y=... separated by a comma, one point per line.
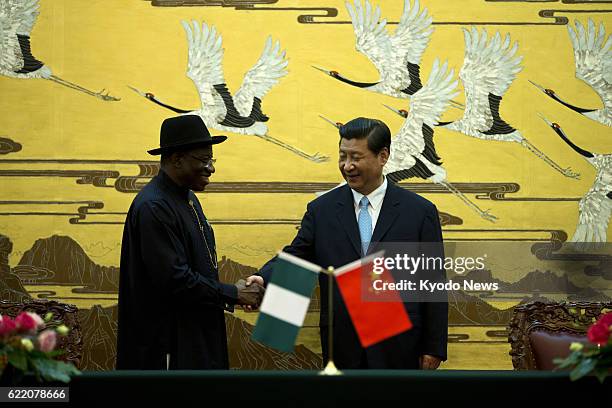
x=253, y=279
x=249, y=295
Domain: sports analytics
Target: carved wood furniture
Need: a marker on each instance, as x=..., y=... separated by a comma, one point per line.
x=539, y=332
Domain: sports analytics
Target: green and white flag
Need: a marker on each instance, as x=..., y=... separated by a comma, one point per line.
x=286, y=302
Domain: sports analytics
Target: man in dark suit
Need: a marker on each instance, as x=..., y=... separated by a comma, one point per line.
x=338, y=228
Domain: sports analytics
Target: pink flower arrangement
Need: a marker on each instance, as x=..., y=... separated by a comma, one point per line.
x=594, y=358
x=28, y=346
x=24, y=323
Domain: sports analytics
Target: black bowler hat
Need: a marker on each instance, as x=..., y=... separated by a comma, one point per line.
x=182, y=132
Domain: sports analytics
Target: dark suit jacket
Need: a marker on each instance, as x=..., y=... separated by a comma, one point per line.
x=329, y=236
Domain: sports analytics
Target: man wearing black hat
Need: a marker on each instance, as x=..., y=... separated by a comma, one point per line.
x=171, y=302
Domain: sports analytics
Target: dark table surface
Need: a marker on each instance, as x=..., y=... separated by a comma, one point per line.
x=308, y=388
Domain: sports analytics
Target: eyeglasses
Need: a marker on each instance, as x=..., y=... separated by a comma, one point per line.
x=207, y=162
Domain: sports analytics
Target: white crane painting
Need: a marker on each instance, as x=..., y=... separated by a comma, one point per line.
x=413, y=153
x=489, y=68
x=397, y=57
x=593, y=60
x=595, y=207
x=17, y=19
x=241, y=114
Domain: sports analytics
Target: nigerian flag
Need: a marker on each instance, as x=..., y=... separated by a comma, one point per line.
x=286, y=302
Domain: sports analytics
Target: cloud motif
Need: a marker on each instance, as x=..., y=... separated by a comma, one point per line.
x=9, y=146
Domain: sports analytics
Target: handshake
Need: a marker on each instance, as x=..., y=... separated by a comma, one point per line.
x=250, y=292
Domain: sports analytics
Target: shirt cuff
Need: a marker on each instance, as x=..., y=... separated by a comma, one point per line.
x=229, y=296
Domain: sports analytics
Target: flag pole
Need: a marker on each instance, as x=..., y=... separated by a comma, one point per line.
x=330, y=368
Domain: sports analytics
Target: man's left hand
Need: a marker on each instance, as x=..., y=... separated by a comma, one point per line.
x=429, y=362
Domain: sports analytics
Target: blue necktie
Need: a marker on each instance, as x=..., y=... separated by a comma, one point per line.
x=365, y=225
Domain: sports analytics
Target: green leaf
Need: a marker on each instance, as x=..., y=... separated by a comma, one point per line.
x=582, y=369
x=569, y=361
x=605, y=361
x=69, y=368
x=606, y=351
x=55, y=353
x=601, y=374
x=563, y=363
x=37, y=354
x=2, y=360
x=19, y=360
x=52, y=370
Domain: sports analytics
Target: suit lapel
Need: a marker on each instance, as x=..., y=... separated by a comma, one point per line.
x=345, y=211
x=388, y=213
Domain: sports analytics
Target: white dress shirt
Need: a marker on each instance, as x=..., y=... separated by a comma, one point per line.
x=375, y=198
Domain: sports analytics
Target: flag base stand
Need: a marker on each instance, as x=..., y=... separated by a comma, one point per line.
x=330, y=369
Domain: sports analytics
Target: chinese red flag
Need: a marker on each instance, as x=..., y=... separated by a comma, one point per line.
x=375, y=319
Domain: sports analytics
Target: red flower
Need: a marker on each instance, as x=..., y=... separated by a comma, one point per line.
x=606, y=319
x=7, y=326
x=598, y=333
x=26, y=323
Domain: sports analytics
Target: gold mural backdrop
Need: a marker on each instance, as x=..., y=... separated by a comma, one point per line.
x=72, y=158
